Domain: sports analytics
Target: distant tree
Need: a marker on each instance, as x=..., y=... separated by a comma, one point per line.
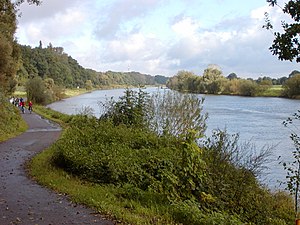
x=182, y=81
x=266, y=81
x=232, y=76
x=88, y=85
x=286, y=44
x=161, y=79
x=248, y=88
x=213, y=79
x=36, y=91
x=293, y=73
x=49, y=83
x=292, y=86
x=279, y=81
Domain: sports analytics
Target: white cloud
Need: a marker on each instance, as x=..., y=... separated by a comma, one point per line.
x=112, y=35
x=121, y=13
x=187, y=27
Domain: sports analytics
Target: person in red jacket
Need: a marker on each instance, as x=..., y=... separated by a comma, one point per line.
x=30, y=106
x=22, y=106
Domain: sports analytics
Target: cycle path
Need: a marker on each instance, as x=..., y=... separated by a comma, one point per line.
x=22, y=200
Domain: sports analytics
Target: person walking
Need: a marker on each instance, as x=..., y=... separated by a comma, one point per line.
x=30, y=106
x=22, y=106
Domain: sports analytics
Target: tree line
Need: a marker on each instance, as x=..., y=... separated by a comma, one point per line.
x=214, y=82
x=51, y=62
x=45, y=72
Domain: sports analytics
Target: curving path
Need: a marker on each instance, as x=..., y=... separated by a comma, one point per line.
x=22, y=201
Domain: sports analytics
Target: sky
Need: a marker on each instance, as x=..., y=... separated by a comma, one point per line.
x=159, y=37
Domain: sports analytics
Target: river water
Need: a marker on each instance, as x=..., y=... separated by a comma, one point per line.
x=258, y=120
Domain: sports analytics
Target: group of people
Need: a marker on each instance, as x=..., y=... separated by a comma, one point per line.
x=20, y=102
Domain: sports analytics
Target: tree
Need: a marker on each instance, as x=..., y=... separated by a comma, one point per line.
x=248, y=88
x=293, y=73
x=286, y=44
x=36, y=91
x=232, y=76
x=9, y=56
x=292, y=86
x=177, y=114
x=10, y=53
x=88, y=85
x=213, y=79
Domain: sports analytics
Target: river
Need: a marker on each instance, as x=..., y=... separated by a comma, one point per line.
x=258, y=120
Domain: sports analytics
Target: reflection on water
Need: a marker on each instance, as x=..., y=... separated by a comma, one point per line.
x=256, y=119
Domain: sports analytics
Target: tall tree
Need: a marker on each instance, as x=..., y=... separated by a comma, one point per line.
x=10, y=52
x=286, y=44
x=9, y=55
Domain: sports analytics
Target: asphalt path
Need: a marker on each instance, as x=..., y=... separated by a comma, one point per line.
x=22, y=200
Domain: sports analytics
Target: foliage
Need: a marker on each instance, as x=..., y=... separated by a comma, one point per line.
x=231, y=182
x=286, y=44
x=178, y=171
x=188, y=212
x=213, y=82
x=273, y=91
x=293, y=168
x=9, y=57
x=36, y=91
x=11, y=122
x=53, y=62
x=205, y=183
x=88, y=85
x=10, y=52
x=131, y=109
x=292, y=86
x=177, y=114
x=120, y=155
x=248, y=88
x=43, y=91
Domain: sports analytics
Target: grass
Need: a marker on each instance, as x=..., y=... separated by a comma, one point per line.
x=75, y=91
x=273, y=91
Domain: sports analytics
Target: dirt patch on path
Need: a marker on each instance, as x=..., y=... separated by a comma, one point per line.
x=22, y=201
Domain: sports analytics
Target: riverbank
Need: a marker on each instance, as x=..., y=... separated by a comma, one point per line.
x=113, y=200
x=128, y=203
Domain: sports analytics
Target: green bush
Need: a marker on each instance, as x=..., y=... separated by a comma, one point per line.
x=210, y=184
x=292, y=87
x=111, y=154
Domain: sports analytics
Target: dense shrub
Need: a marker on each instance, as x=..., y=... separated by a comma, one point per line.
x=248, y=88
x=131, y=109
x=111, y=154
x=208, y=182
